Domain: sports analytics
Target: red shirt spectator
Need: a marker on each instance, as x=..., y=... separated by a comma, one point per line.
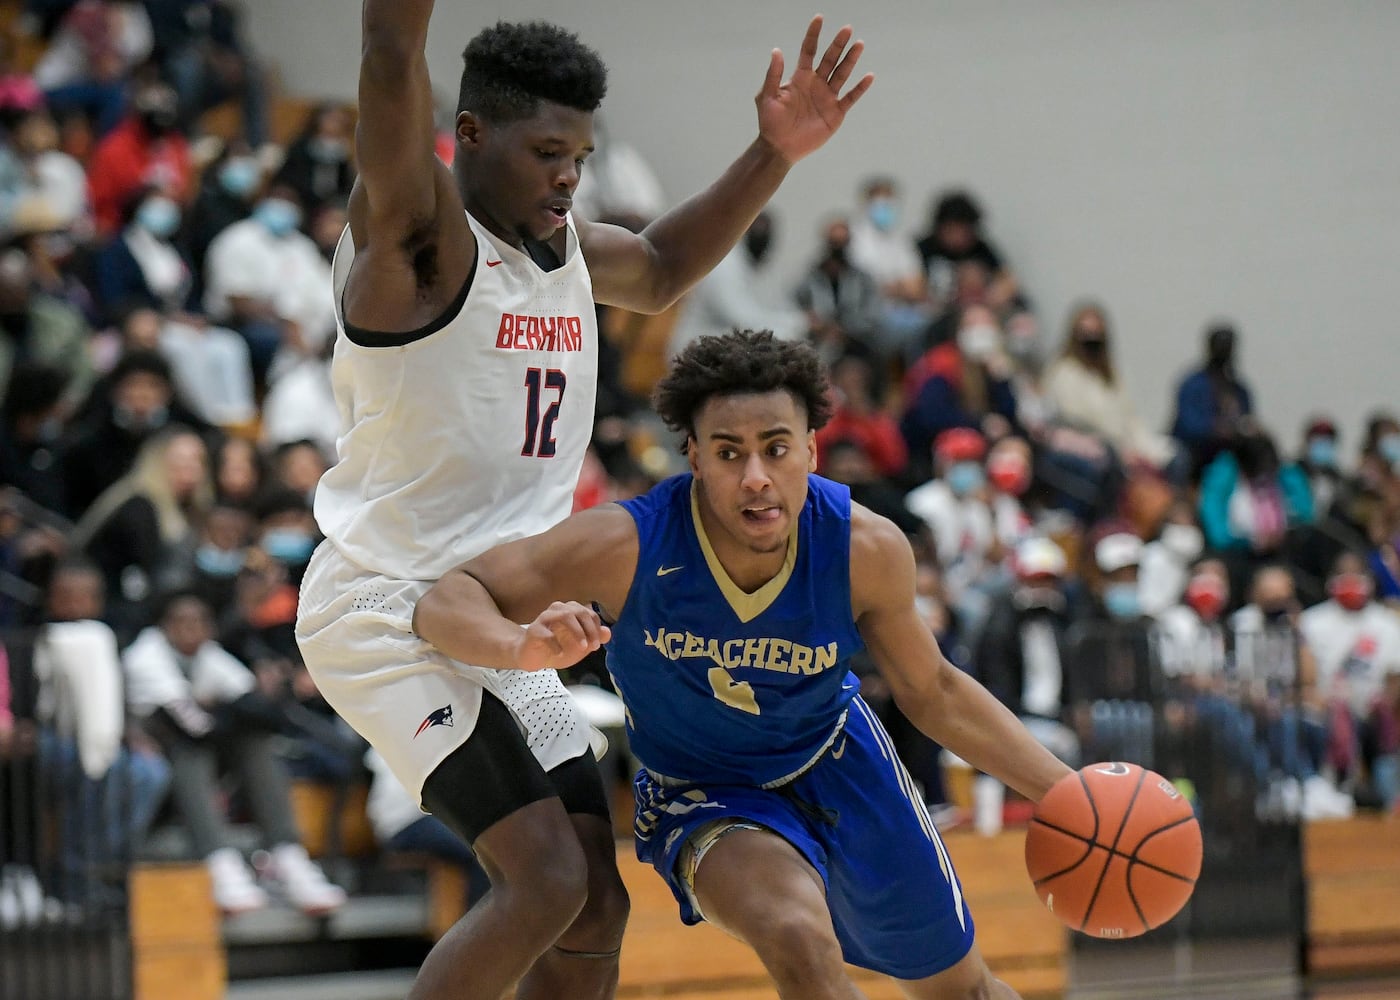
x=856, y=418
x=144, y=150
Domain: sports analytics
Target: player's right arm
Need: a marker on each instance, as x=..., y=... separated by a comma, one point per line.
x=413, y=247
x=550, y=580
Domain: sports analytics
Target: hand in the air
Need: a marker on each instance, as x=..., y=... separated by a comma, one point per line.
x=563, y=634
x=797, y=117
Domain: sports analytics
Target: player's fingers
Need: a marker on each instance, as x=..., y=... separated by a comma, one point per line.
x=857, y=92
x=774, y=78
x=833, y=52
x=592, y=628
x=846, y=66
x=808, y=54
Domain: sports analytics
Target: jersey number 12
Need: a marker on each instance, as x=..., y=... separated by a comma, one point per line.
x=539, y=426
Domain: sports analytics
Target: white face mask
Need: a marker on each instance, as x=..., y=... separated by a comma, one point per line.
x=1183, y=541
x=979, y=341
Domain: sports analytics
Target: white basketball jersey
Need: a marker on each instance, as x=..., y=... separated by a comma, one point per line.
x=469, y=432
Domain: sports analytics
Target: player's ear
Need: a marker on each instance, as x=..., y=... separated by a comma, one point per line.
x=811, y=451
x=692, y=456
x=469, y=128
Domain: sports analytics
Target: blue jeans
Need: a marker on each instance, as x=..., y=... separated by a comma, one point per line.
x=102, y=820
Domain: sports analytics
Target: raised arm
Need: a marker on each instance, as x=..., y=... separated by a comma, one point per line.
x=946, y=704
x=474, y=613
x=649, y=271
x=404, y=210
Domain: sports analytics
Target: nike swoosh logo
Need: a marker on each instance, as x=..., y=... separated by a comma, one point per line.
x=836, y=754
x=492, y=263
x=667, y=570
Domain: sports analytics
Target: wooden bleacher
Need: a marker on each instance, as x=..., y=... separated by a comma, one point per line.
x=1351, y=869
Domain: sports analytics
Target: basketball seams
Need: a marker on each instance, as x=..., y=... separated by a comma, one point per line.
x=1089, y=846
x=1112, y=849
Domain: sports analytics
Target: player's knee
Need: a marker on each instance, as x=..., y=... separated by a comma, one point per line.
x=604, y=915
x=555, y=884
x=796, y=942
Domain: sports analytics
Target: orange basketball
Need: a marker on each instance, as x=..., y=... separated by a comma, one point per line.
x=1114, y=850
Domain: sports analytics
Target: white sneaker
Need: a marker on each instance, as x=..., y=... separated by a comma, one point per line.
x=235, y=891
x=303, y=882
x=1324, y=800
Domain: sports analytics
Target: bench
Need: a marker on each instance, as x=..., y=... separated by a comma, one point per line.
x=1351, y=868
x=176, y=944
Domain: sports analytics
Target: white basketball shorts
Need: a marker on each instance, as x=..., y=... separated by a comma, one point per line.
x=414, y=705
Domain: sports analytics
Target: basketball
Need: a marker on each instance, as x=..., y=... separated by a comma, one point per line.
x=1114, y=850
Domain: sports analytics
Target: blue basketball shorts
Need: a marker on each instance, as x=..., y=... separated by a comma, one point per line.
x=858, y=819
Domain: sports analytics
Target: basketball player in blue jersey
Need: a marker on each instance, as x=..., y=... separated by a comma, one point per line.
x=465, y=372
x=730, y=600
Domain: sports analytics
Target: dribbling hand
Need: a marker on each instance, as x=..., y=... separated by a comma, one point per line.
x=799, y=116
x=563, y=634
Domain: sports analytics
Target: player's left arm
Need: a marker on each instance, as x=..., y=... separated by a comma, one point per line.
x=943, y=702
x=648, y=271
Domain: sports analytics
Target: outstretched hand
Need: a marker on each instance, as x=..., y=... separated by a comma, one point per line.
x=799, y=116
x=563, y=634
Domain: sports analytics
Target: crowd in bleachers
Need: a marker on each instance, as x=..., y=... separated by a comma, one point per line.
x=1203, y=591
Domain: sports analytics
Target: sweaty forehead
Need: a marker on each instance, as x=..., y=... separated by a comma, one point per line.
x=750, y=414
x=556, y=122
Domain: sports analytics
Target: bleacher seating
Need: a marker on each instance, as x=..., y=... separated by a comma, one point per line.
x=1352, y=873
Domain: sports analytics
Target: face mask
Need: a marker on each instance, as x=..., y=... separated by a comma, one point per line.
x=288, y=545
x=240, y=176
x=1031, y=598
x=129, y=420
x=1093, y=347
x=1009, y=475
x=1121, y=600
x=1183, y=541
x=159, y=121
x=1274, y=615
x=159, y=216
x=278, y=216
x=1389, y=447
x=964, y=478
x=57, y=246
x=328, y=150
x=219, y=562
x=1351, y=590
x=757, y=243
x=1322, y=452
x=1205, y=595
x=49, y=431
x=836, y=253
x=979, y=341
x=883, y=214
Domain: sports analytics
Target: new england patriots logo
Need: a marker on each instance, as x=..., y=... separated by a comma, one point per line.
x=438, y=717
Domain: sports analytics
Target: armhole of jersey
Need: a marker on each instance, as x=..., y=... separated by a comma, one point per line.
x=369, y=338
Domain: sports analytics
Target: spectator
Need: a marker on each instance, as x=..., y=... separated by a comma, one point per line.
x=858, y=417
x=842, y=302
x=965, y=383
x=1318, y=462
x=141, y=264
x=239, y=473
x=879, y=248
x=1379, y=469
x=136, y=399
x=298, y=466
x=318, y=165
x=85, y=67
x=31, y=446
x=1249, y=501
x=955, y=237
x=1356, y=641
x=847, y=462
x=1082, y=386
x=1008, y=481
x=1212, y=401
x=110, y=786
x=145, y=150
x=1021, y=655
x=219, y=557
x=228, y=189
x=200, y=704
x=40, y=181
x=267, y=280
x=199, y=48
x=143, y=527
x=60, y=265
x=209, y=364
x=731, y=296
x=1166, y=560
x=35, y=327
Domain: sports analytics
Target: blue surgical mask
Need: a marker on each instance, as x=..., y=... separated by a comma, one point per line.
x=288, y=545
x=219, y=562
x=964, y=478
x=883, y=214
x=1322, y=452
x=159, y=216
x=278, y=215
x=1121, y=600
x=240, y=176
x=1389, y=447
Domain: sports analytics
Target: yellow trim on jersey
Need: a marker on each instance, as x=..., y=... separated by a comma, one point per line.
x=746, y=606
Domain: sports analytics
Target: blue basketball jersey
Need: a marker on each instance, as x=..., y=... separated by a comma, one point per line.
x=734, y=687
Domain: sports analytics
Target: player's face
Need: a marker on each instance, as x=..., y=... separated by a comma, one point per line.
x=519, y=177
x=751, y=455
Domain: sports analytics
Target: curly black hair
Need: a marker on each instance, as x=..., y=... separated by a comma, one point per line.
x=510, y=68
x=745, y=361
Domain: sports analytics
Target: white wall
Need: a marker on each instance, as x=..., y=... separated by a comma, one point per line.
x=1180, y=161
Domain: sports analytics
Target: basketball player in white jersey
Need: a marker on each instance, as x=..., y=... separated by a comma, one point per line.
x=465, y=370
